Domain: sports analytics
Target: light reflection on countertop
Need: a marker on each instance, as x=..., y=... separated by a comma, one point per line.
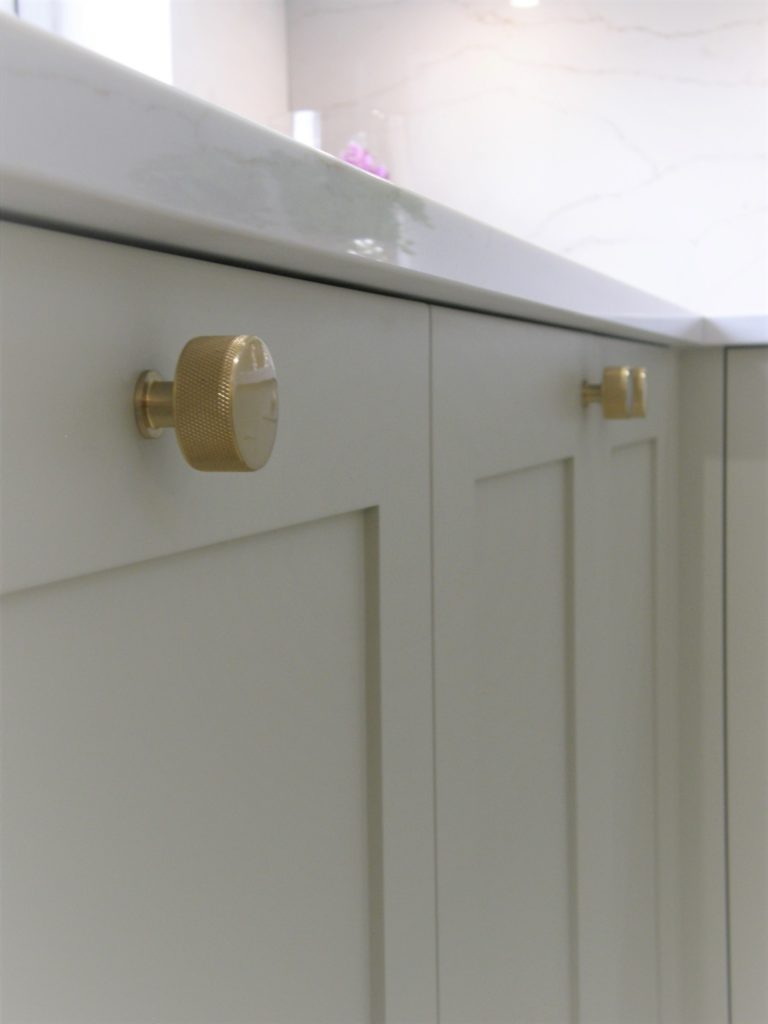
x=90, y=145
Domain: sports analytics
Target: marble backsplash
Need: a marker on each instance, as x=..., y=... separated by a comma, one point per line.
x=628, y=135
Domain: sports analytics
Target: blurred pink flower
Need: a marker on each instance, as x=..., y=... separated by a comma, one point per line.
x=358, y=156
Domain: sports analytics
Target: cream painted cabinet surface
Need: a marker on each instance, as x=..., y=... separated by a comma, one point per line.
x=234, y=790
x=554, y=558
x=746, y=640
x=217, y=704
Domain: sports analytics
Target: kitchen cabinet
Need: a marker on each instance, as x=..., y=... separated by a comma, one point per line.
x=222, y=800
x=437, y=716
x=217, y=693
x=746, y=678
x=723, y=675
x=554, y=540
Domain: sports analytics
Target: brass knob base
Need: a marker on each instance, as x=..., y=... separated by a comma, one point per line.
x=590, y=393
x=153, y=404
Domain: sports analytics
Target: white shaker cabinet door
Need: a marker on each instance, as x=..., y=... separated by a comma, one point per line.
x=216, y=688
x=550, y=526
x=746, y=515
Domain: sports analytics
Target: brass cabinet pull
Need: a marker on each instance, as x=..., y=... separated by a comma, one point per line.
x=222, y=403
x=622, y=392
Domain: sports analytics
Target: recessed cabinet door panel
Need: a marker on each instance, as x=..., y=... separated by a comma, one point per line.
x=186, y=822
x=217, y=709
x=517, y=698
x=623, y=744
x=546, y=675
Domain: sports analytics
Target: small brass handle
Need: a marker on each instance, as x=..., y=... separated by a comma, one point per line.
x=222, y=403
x=622, y=392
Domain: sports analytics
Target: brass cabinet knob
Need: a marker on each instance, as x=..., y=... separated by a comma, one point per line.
x=622, y=392
x=639, y=379
x=222, y=403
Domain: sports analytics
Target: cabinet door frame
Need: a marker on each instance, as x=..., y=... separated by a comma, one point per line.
x=506, y=398
x=657, y=436
x=85, y=494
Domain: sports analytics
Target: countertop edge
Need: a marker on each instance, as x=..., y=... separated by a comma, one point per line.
x=176, y=174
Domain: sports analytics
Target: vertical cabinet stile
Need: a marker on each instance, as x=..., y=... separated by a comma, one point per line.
x=746, y=667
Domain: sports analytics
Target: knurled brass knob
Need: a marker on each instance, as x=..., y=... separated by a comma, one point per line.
x=622, y=392
x=222, y=403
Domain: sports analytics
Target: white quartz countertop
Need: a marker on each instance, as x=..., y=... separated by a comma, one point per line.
x=90, y=146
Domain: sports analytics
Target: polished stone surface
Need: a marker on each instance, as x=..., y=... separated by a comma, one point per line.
x=86, y=144
x=629, y=135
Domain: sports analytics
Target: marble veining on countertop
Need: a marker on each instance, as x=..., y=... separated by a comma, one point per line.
x=88, y=145
x=626, y=135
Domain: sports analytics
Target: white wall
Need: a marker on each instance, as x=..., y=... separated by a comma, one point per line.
x=134, y=32
x=629, y=135
x=233, y=53
x=228, y=52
